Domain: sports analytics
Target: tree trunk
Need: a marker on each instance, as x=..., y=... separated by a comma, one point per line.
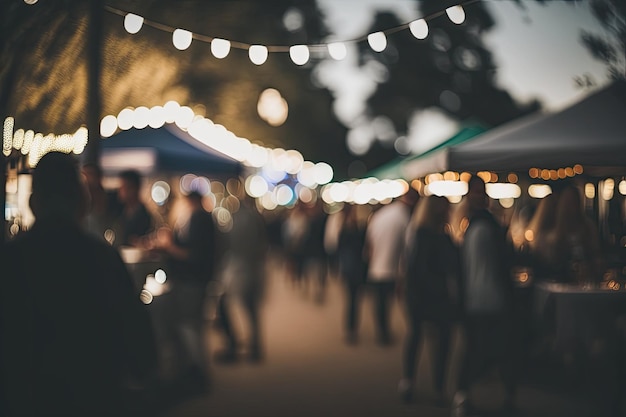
x=94, y=105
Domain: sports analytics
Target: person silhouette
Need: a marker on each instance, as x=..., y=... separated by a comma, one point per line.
x=133, y=221
x=190, y=253
x=73, y=332
x=243, y=280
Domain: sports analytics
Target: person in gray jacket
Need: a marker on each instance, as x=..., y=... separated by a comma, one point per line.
x=488, y=301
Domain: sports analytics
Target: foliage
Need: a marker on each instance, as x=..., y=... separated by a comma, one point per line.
x=451, y=70
x=609, y=49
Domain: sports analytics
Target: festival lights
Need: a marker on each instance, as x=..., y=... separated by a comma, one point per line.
x=299, y=54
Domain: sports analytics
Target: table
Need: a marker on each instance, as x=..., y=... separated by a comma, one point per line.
x=581, y=316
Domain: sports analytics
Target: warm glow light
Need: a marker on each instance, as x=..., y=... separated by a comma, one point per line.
x=146, y=297
x=377, y=41
x=339, y=192
x=299, y=54
x=295, y=160
x=160, y=192
x=108, y=126
x=506, y=202
x=160, y=276
x=622, y=187
x=283, y=195
x=419, y=28
x=337, y=50
x=590, y=191
x=184, y=117
x=529, y=235
x=156, y=119
x=125, y=119
x=323, y=173
x=258, y=54
x=447, y=188
x=502, y=190
x=608, y=188
x=539, y=190
x=456, y=14
x=141, y=117
x=220, y=48
x=306, y=176
x=256, y=186
x=171, y=110
x=268, y=203
x=181, y=39
x=133, y=23
x=18, y=139
x=29, y=137
x=7, y=136
x=272, y=107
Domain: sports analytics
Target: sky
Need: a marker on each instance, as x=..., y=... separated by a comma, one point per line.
x=525, y=70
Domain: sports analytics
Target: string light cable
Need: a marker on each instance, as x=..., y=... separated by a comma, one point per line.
x=258, y=53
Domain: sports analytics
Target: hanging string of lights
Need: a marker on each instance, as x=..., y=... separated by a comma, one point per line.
x=299, y=54
x=35, y=145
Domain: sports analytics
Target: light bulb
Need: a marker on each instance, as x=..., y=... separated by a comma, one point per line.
x=299, y=54
x=258, y=54
x=456, y=14
x=377, y=41
x=419, y=28
x=337, y=50
x=182, y=39
x=220, y=48
x=133, y=23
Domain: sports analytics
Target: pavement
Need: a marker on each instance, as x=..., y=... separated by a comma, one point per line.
x=309, y=370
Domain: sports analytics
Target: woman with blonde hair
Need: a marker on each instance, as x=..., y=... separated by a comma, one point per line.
x=430, y=289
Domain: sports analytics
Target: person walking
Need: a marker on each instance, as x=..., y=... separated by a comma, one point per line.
x=430, y=290
x=243, y=280
x=73, y=332
x=488, y=300
x=352, y=267
x=384, y=242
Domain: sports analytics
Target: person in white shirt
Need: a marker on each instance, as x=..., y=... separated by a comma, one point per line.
x=384, y=246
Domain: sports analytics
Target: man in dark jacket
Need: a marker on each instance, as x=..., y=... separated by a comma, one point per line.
x=487, y=299
x=73, y=332
x=190, y=251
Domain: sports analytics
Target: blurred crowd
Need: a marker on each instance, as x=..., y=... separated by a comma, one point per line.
x=462, y=265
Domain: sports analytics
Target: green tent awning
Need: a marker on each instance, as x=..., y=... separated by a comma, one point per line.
x=398, y=168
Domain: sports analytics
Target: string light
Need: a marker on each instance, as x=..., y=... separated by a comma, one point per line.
x=181, y=39
x=419, y=28
x=337, y=50
x=300, y=54
x=377, y=41
x=36, y=145
x=133, y=23
x=258, y=54
x=456, y=14
x=220, y=48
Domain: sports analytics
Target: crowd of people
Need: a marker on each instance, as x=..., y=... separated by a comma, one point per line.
x=74, y=314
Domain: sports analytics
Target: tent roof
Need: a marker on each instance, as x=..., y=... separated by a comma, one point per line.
x=400, y=167
x=591, y=133
x=166, y=149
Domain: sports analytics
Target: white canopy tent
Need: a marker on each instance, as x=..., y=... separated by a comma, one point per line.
x=591, y=133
